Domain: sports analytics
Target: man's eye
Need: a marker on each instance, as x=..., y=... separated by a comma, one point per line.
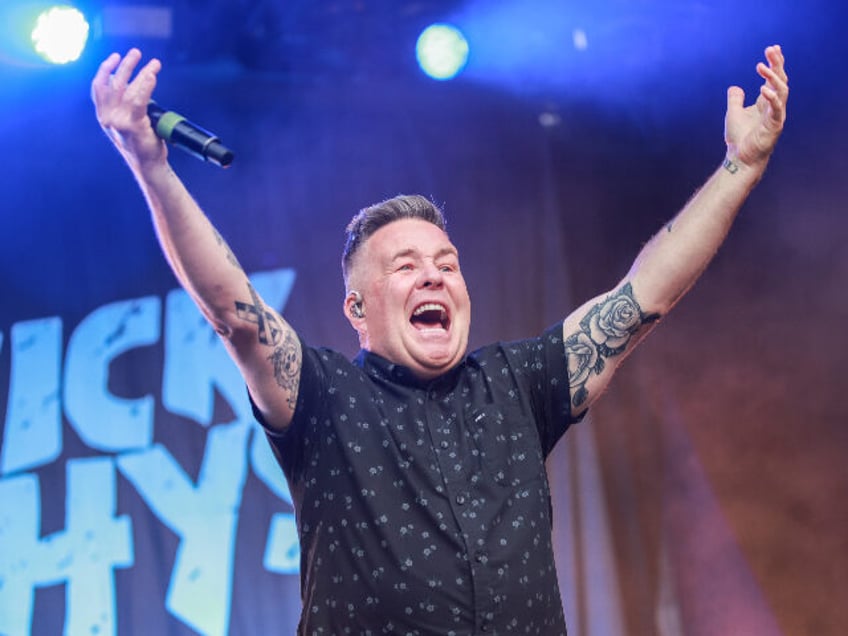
x=406, y=267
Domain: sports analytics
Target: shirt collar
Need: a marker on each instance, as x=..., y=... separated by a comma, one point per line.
x=376, y=365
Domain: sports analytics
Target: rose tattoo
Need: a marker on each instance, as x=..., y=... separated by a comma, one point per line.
x=604, y=333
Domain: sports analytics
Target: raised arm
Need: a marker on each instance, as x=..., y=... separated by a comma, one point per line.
x=263, y=345
x=601, y=333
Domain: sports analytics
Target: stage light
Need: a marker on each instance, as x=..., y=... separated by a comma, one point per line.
x=60, y=34
x=35, y=33
x=442, y=51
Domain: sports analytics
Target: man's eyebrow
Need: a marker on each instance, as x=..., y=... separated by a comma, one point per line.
x=405, y=253
x=412, y=252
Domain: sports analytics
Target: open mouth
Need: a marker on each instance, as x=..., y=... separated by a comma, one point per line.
x=430, y=316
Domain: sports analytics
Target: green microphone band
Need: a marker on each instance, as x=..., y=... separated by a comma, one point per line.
x=167, y=122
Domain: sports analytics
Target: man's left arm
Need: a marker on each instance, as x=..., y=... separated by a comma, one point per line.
x=601, y=333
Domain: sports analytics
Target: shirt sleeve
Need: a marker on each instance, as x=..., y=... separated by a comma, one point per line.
x=546, y=375
x=290, y=446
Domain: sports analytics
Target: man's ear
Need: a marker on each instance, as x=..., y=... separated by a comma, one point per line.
x=354, y=310
x=355, y=306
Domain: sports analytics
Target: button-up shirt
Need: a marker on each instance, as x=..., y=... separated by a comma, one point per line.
x=424, y=507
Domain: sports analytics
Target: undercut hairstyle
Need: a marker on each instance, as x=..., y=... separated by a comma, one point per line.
x=370, y=219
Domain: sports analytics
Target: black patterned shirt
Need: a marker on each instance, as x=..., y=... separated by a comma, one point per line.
x=423, y=507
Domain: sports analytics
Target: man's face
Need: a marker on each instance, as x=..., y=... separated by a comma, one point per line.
x=416, y=305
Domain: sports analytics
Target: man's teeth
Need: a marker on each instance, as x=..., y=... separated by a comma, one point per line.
x=429, y=307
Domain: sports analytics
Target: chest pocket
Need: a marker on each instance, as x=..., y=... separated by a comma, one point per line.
x=508, y=444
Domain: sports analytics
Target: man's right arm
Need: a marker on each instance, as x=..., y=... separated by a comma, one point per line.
x=262, y=344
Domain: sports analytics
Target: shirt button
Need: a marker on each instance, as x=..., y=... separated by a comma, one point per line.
x=480, y=557
x=444, y=444
x=460, y=499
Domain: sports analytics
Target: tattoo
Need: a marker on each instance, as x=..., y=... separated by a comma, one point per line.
x=270, y=329
x=730, y=166
x=286, y=361
x=227, y=251
x=286, y=356
x=604, y=333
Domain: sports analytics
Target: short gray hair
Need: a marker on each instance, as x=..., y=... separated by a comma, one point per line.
x=370, y=219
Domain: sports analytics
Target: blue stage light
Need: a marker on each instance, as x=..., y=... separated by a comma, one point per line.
x=60, y=34
x=442, y=51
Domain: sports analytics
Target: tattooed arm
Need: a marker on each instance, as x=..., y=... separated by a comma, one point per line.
x=600, y=334
x=263, y=345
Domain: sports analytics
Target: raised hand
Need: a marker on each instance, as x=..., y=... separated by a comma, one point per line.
x=751, y=133
x=121, y=106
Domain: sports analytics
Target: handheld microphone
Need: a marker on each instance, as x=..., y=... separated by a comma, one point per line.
x=177, y=130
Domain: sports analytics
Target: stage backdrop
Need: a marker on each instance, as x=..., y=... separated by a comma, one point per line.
x=706, y=492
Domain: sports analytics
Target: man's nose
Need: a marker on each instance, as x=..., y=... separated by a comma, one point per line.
x=431, y=275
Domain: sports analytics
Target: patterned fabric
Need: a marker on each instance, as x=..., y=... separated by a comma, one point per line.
x=424, y=507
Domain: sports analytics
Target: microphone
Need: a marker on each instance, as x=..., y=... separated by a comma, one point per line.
x=177, y=130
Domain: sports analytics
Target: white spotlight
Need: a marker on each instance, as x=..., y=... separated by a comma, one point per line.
x=60, y=34
x=442, y=51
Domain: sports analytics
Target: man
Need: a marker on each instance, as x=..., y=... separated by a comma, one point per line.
x=417, y=470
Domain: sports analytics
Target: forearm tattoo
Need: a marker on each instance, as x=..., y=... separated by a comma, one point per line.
x=604, y=333
x=286, y=356
x=286, y=361
x=270, y=330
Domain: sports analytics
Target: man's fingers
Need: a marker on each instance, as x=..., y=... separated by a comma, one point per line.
x=122, y=74
x=774, y=74
x=776, y=88
x=121, y=100
x=141, y=88
x=774, y=55
x=105, y=69
x=735, y=98
x=778, y=106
